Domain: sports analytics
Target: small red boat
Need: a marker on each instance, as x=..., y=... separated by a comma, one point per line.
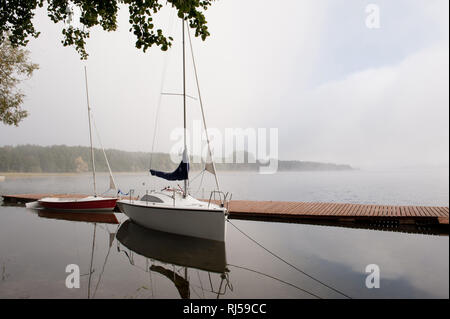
x=90, y=203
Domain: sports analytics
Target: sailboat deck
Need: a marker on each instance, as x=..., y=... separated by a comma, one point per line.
x=351, y=215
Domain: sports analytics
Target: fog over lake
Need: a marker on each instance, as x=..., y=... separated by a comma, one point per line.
x=336, y=90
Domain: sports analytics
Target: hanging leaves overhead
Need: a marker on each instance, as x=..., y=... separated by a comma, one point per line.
x=16, y=20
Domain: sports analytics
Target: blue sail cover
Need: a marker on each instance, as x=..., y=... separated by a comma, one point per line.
x=181, y=173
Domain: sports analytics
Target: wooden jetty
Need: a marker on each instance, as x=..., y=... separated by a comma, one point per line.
x=411, y=219
x=417, y=219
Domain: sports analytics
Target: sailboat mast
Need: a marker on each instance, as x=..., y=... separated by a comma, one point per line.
x=203, y=113
x=90, y=131
x=184, y=104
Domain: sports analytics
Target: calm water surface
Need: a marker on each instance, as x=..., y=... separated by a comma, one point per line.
x=122, y=261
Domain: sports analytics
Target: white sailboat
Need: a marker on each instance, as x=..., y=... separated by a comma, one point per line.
x=175, y=210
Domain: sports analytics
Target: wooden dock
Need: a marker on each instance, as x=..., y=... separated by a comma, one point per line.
x=422, y=219
x=411, y=219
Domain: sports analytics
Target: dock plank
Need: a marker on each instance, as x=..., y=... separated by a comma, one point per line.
x=299, y=210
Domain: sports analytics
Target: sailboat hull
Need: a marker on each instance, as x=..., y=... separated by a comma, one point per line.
x=207, y=224
x=88, y=204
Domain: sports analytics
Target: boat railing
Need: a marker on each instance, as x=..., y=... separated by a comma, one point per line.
x=131, y=192
x=224, y=198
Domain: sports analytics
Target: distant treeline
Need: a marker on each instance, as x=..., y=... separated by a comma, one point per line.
x=63, y=159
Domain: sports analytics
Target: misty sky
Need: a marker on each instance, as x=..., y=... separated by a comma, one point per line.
x=336, y=90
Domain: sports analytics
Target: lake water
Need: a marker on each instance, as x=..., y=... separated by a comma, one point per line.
x=34, y=251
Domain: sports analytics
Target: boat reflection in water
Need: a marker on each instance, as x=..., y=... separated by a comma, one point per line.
x=96, y=219
x=76, y=217
x=178, y=250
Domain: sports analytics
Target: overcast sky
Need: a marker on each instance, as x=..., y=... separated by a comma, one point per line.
x=336, y=90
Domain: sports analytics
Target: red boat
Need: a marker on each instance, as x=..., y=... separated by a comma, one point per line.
x=90, y=203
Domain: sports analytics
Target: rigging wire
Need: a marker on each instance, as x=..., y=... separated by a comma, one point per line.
x=202, y=174
x=201, y=285
x=104, y=153
x=200, y=184
x=289, y=264
x=90, y=129
x=191, y=288
x=220, y=288
x=210, y=281
x=201, y=108
x=92, y=260
x=103, y=267
x=163, y=77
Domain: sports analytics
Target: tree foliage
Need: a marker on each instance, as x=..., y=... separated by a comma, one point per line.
x=14, y=68
x=16, y=20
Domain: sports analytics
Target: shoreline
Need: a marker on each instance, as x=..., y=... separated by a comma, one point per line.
x=15, y=175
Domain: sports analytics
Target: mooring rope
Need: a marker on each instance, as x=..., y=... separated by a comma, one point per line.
x=277, y=279
x=288, y=263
